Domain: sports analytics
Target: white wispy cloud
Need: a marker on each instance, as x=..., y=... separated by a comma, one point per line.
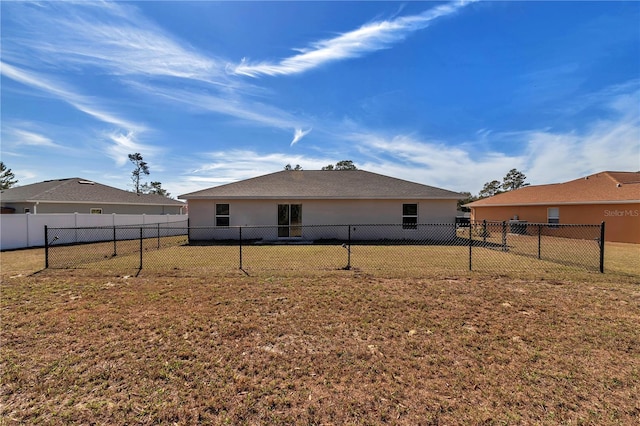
x=548, y=156
x=61, y=91
x=221, y=167
x=97, y=38
x=238, y=107
x=430, y=162
x=123, y=138
x=611, y=141
x=404, y=157
x=242, y=164
x=124, y=144
x=26, y=137
x=299, y=134
x=607, y=145
x=368, y=38
x=113, y=37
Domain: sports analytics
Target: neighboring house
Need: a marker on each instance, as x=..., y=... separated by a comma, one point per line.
x=76, y=195
x=610, y=197
x=291, y=201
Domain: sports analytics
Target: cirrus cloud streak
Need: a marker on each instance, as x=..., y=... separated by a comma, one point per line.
x=352, y=44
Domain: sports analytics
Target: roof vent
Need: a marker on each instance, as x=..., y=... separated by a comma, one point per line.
x=86, y=182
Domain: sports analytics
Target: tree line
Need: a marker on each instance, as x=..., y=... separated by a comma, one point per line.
x=514, y=179
x=340, y=165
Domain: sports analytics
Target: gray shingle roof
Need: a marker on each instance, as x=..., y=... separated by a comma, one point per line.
x=78, y=190
x=324, y=184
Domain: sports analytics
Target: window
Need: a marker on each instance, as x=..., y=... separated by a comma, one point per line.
x=289, y=220
x=553, y=216
x=27, y=210
x=409, y=216
x=222, y=214
x=95, y=211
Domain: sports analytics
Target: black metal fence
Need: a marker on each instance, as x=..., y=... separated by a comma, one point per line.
x=476, y=246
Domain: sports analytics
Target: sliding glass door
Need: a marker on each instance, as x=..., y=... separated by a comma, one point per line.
x=289, y=220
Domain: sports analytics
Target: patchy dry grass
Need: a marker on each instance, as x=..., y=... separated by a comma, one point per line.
x=335, y=347
x=521, y=254
x=622, y=258
x=21, y=261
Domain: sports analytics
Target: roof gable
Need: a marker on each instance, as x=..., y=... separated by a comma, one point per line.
x=323, y=184
x=78, y=190
x=603, y=187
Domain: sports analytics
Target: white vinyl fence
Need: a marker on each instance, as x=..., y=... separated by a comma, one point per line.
x=27, y=230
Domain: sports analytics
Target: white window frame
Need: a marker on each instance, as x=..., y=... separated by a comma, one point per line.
x=95, y=210
x=413, y=218
x=553, y=216
x=222, y=216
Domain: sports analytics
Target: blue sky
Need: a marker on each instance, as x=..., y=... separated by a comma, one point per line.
x=449, y=94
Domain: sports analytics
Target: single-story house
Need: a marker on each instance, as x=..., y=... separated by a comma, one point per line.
x=301, y=204
x=77, y=195
x=610, y=197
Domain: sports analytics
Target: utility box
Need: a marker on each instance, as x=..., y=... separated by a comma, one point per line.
x=518, y=227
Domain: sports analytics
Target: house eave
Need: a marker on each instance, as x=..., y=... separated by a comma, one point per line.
x=91, y=202
x=293, y=197
x=555, y=203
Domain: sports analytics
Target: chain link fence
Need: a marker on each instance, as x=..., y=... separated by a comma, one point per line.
x=570, y=245
x=410, y=248
x=86, y=247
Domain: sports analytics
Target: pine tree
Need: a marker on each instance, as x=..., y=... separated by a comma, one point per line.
x=141, y=168
x=7, y=178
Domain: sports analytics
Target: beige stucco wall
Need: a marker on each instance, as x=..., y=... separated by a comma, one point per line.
x=622, y=221
x=42, y=208
x=328, y=212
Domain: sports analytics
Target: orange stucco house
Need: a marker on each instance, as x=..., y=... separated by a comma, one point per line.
x=610, y=197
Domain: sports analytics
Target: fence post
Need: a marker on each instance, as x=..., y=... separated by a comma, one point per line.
x=26, y=216
x=46, y=247
x=140, y=248
x=602, y=248
x=504, y=235
x=115, y=253
x=484, y=231
x=240, y=230
x=539, y=241
x=471, y=242
x=349, y=248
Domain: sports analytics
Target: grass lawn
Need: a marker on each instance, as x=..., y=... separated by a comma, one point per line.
x=196, y=345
